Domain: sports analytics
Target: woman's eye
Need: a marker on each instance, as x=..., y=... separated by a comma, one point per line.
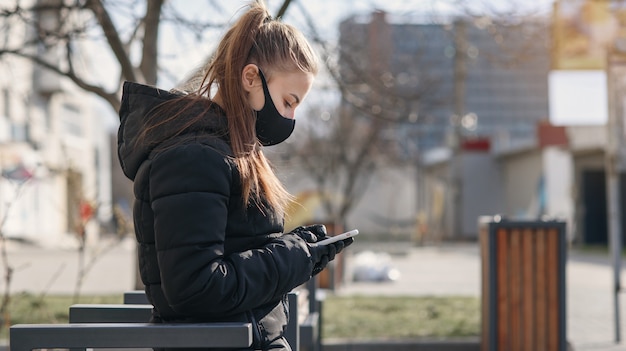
x=287, y=104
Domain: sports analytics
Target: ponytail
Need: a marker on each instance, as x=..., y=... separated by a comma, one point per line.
x=274, y=46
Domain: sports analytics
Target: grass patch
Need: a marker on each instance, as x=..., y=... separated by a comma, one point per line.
x=352, y=317
x=397, y=317
x=596, y=249
x=29, y=308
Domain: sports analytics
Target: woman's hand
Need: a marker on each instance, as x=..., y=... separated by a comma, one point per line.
x=323, y=254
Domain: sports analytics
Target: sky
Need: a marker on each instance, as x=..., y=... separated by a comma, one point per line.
x=327, y=15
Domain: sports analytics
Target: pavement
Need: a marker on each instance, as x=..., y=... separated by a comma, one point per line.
x=446, y=269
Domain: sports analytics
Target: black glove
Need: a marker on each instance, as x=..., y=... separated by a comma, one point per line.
x=320, y=255
x=311, y=233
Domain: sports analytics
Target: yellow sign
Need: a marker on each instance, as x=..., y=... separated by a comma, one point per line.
x=583, y=31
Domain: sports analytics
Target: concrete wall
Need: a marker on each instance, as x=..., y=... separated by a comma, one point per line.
x=482, y=194
x=432, y=194
x=389, y=205
x=387, y=208
x=558, y=170
x=482, y=191
x=525, y=184
x=521, y=177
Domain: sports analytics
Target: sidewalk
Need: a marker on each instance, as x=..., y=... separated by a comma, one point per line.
x=454, y=269
x=55, y=271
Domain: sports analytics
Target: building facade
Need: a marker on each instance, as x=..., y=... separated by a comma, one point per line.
x=472, y=77
x=54, y=154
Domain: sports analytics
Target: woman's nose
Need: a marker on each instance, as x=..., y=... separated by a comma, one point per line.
x=290, y=113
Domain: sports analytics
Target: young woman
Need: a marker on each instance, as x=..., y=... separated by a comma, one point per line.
x=208, y=209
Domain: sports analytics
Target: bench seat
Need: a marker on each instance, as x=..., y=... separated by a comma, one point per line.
x=25, y=337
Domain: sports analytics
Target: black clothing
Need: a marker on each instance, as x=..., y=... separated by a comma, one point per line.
x=203, y=256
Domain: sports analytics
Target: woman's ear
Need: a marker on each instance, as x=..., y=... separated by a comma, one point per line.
x=250, y=77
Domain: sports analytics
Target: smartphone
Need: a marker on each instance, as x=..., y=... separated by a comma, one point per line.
x=337, y=237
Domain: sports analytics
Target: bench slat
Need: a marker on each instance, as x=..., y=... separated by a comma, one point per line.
x=309, y=332
x=25, y=337
x=135, y=297
x=110, y=313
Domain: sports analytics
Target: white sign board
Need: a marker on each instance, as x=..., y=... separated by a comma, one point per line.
x=578, y=97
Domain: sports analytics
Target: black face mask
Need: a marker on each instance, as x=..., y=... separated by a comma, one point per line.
x=271, y=127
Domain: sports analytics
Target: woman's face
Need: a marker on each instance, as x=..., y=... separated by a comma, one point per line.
x=287, y=89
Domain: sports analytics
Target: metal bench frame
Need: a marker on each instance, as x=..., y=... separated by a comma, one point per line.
x=125, y=326
x=26, y=337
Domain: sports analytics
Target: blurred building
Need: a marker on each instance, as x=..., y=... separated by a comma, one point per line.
x=469, y=102
x=54, y=154
x=455, y=89
x=470, y=76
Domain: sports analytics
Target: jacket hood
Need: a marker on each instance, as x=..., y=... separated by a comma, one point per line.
x=138, y=101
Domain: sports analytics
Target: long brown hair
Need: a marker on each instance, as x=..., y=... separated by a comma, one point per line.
x=275, y=47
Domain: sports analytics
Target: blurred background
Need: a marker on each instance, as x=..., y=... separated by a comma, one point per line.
x=426, y=116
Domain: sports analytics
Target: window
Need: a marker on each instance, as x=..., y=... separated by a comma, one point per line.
x=6, y=103
x=19, y=131
x=71, y=122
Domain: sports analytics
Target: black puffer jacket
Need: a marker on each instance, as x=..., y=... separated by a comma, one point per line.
x=202, y=255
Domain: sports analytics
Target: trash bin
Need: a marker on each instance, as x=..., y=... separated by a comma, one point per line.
x=523, y=285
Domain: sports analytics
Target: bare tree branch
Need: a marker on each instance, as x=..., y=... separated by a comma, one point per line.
x=113, y=38
x=111, y=98
x=283, y=9
x=150, y=52
x=195, y=26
